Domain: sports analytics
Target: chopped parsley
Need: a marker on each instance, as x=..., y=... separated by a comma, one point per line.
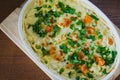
x=66, y=8
x=69, y=74
x=51, y=1
x=39, y=14
x=114, y=54
x=105, y=52
x=38, y=46
x=89, y=64
x=71, y=43
x=56, y=31
x=47, y=19
x=86, y=51
x=44, y=51
x=80, y=22
x=38, y=29
x=92, y=37
x=64, y=48
x=110, y=60
x=100, y=36
x=45, y=6
x=90, y=75
x=82, y=33
x=61, y=5
x=77, y=77
x=78, y=14
x=69, y=9
x=105, y=72
x=38, y=8
x=77, y=69
x=61, y=70
x=29, y=26
x=45, y=61
x=57, y=13
x=94, y=17
x=72, y=26
x=74, y=59
x=74, y=18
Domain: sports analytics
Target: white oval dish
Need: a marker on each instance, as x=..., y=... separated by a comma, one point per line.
x=49, y=72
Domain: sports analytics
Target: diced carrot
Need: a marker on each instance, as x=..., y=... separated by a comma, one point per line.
x=74, y=36
x=81, y=55
x=88, y=19
x=110, y=41
x=40, y=2
x=84, y=68
x=69, y=66
x=52, y=20
x=100, y=60
x=53, y=50
x=56, y=5
x=99, y=41
x=106, y=30
x=58, y=56
x=90, y=30
x=49, y=28
x=87, y=45
x=54, y=53
x=66, y=22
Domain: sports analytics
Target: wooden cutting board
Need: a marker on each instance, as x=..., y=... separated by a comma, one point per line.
x=10, y=27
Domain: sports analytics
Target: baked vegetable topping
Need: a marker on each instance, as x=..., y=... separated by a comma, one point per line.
x=73, y=42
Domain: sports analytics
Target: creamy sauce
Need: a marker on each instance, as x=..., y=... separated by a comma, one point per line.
x=73, y=42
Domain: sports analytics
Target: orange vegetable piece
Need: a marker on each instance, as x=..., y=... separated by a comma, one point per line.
x=100, y=60
x=90, y=30
x=81, y=55
x=74, y=36
x=55, y=55
x=99, y=42
x=84, y=68
x=40, y=2
x=110, y=41
x=58, y=56
x=69, y=66
x=53, y=50
x=49, y=28
x=88, y=19
x=52, y=20
x=66, y=22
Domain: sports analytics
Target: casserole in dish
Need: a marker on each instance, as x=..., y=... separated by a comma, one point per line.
x=70, y=39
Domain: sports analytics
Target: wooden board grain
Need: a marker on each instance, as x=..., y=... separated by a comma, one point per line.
x=10, y=28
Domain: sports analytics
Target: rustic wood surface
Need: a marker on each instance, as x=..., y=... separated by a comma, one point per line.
x=15, y=65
